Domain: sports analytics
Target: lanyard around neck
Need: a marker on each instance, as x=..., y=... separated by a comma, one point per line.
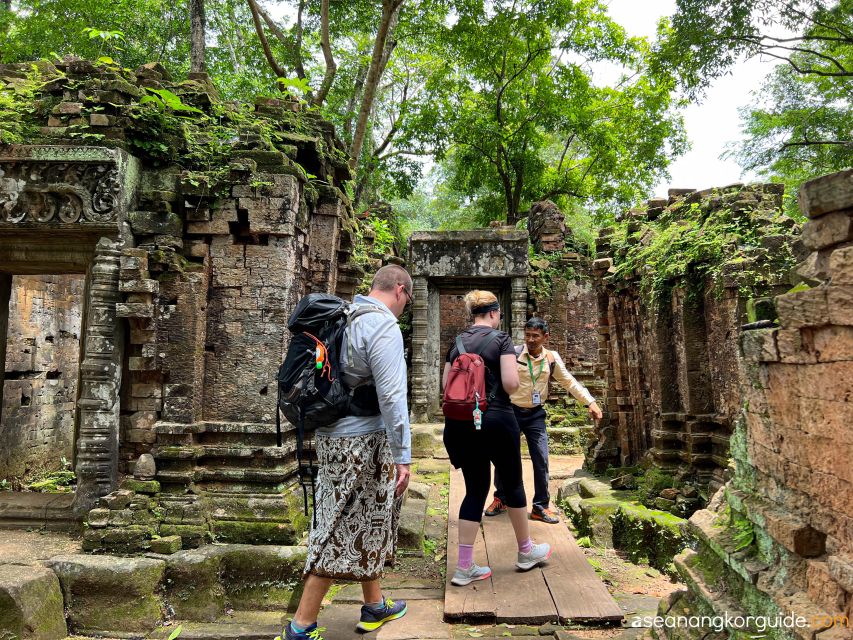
x=530, y=366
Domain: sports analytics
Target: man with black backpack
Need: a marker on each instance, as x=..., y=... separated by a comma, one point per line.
x=363, y=463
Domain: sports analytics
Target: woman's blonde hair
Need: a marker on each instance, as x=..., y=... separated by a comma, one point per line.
x=478, y=298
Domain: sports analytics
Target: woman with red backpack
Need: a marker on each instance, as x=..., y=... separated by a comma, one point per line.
x=480, y=429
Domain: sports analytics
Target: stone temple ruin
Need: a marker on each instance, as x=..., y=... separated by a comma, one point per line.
x=143, y=304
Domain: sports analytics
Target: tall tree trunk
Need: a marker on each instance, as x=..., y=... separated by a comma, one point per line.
x=374, y=73
x=331, y=66
x=197, y=36
x=265, y=45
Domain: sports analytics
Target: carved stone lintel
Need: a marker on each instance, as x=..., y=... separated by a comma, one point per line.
x=59, y=192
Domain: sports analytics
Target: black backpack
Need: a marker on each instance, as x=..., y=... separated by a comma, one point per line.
x=311, y=389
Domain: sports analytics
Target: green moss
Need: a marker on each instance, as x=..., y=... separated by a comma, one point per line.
x=652, y=482
x=697, y=240
x=655, y=537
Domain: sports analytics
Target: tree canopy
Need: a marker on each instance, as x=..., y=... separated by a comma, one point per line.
x=800, y=124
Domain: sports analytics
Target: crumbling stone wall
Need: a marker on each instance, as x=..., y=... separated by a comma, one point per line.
x=561, y=289
x=220, y=231
x=778, y=539
x=669, y=355
x=40, y=383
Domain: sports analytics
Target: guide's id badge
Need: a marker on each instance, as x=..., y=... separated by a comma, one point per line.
x=537, y=399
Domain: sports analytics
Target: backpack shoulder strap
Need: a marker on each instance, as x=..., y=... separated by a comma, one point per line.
x=485, y=343
x=354, y=312
x=460, y=348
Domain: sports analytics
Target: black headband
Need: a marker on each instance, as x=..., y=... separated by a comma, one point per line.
x=478, y=311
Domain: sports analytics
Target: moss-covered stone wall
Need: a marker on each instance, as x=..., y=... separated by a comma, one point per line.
x=231, y=213
x=676, y=280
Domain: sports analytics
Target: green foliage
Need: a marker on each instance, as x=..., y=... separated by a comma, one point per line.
x=545, y=268
x=5, y=485
x=690, y=243
x=799, y=125
x=743, y=533
x=652, y=483
x=60, y=481
x=17, y=104
x=519, y=117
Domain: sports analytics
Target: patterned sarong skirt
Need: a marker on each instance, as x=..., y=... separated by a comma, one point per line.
x=357, y=515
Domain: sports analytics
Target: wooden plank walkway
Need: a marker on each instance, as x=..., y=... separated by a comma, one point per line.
x=565, y=588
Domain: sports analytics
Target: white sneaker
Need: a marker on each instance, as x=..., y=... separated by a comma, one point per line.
x=461, y=577
x=538, y=554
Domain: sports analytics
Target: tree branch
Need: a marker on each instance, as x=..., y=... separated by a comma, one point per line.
x=389, y=7
x=331, y=66
x=279, y=72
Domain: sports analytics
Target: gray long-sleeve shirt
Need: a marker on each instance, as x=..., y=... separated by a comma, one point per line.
x=377, y=353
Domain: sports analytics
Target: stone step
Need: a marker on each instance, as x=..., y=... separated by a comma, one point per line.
x=225, y=629
x=410, y=535
x=25, y=510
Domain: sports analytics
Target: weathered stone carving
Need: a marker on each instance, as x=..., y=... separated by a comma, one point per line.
x=59, y=192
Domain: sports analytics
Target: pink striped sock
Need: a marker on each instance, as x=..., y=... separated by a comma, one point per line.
x=526, y=546
x=466, y=556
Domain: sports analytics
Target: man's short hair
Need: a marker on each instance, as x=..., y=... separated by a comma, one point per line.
x=537, y=324
x=389, y=277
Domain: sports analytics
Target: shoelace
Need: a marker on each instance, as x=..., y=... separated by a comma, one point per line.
x=389, y=603
x=315, y=633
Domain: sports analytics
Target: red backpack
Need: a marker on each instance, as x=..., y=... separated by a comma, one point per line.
x=466, y=382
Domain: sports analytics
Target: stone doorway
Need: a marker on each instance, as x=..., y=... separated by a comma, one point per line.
x=444, y=266
x=40, y=381
x=62, y=222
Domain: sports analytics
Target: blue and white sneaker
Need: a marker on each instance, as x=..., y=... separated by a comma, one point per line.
x=462, y=577
x=374, y=617
x=311, y=633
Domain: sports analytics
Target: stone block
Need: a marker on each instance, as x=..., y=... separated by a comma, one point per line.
x=827, y=194
x=803, y=309
x=98, y=518
x=129, y=539
x=796, y=346
x=99, y=120
x=68, y=108
x=166, y=545
x=839, y=300
x=833, y=343
x=262, y=577
x=139, y=286
x=759, y=345
x=31, y=605
x=134, y=310
x=117, y=500
x=110, y=594
x=193, y=587
x=826, y=231
x=253, y=532
x=795, y=535
x=841, y=266
x=146, y=390
x=121, y=518
x=841, y=570
x=823, y=590
x=149, y=223
x=148, y=487
x=192, y=535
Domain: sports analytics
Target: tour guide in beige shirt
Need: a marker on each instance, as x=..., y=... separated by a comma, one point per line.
x=536, y=366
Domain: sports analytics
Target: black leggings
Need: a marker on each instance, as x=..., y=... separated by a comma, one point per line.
x=498, y=442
